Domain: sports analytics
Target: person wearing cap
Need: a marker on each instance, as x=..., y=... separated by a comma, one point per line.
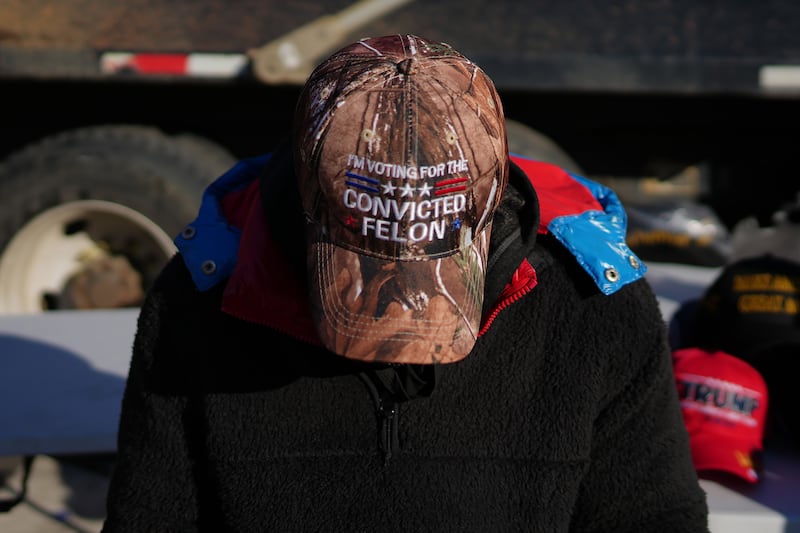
x=391, y=324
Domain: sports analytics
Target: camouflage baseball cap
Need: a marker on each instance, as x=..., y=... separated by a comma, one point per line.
x=401, y=159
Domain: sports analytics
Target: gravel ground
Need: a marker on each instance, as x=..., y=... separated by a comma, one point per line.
x=65, y=494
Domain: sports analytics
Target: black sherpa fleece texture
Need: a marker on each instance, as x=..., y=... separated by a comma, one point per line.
x=563, y=418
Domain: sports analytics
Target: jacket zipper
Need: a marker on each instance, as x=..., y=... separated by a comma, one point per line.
x=522, y=282
x=388, y=411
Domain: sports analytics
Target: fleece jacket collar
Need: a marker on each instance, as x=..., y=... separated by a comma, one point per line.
x=231, y=239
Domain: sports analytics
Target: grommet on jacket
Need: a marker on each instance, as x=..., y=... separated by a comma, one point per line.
x=612, y=274
x=188, y=232
x=209, y=267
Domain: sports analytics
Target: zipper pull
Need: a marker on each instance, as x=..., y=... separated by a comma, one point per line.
x=390, y=440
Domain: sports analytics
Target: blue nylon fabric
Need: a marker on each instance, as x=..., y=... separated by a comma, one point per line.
x=597, y=240
x=213, y=239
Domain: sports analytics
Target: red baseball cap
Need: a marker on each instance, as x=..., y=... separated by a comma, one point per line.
x=724, y=404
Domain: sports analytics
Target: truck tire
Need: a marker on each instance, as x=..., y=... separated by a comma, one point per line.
x=528, y=142
x=96, y=208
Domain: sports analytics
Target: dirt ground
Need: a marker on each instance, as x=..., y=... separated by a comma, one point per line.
x=64, y=494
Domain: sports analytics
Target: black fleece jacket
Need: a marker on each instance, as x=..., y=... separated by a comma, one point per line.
x=563, y=418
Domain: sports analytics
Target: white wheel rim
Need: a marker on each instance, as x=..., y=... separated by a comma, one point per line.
x=43, y=254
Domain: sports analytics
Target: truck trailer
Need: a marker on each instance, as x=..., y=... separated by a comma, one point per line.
x=118, y=114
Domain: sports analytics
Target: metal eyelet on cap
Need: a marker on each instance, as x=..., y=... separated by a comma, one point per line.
x=208, y=267
x=188, y=232
x=612, y=274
